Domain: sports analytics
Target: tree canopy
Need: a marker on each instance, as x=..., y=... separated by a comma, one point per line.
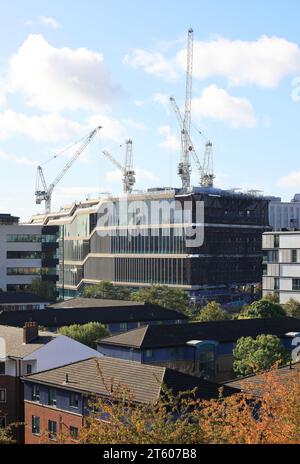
x=167, y=297
x=88, y=334
x=258, y=354
x=43, y=288
x=292, y=308
x=263, y=308
x=107, y=290
x=211, y=312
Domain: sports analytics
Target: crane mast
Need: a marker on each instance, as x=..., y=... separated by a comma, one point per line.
x=46, y=193
x=128, y=172
x=207, y=177
x=184, y=168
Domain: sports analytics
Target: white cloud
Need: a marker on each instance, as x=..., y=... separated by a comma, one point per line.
x=134, y=124
x=76, y=192
x=54, y=128
x=154, y=63
x=291, y=180
x=171, y=141
x=54, y=79
x=47, y=128
x=21, y=160
x=112, y=129
x=49, y=21
x=264, y=62
x=217, y=104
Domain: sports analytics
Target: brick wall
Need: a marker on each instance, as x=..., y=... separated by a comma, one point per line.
x=64, y=421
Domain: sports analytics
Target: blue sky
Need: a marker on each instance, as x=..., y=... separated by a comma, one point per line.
x=67, y=66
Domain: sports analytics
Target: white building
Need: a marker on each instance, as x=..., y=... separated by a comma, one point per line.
x=27, y=252
x=282, y=264
x=284, y=215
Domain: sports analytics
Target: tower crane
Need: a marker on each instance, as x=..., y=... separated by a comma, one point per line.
x=127, y=170
x=43, y=192
x=184, y=168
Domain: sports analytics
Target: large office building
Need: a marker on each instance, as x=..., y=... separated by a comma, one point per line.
x=27, y=252
x=151, y=242
x=282, y=264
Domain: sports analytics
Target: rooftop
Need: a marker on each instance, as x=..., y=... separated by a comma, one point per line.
x=14, y=346
x=20, y=297
x=155, y=336
x=255, y=383
x=86, y=310
x=143, y=381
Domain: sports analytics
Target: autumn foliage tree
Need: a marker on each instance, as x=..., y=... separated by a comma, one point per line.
x=268, y=416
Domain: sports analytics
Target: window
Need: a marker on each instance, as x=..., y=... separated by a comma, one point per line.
x=35, y=393
x=23, y=255
x=276, y=283
x=52, y=429
x=2, y=368
x=73, y=431
x=28, y=369
x=296, y=284
x=52, y=397
x=149, y=353
x=2, y=395
x=294, y=256
x=123, y=326
x=74, y=400
x=2, y=422
x=23, y=271
x=35, y=425
x=276, y=241
x=24, y=238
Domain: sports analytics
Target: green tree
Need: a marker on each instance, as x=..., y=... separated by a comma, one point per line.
x=211, y=312
x=43, y=288
x=272, y=297
x=292, y=308
x=167, y=297
x=6, y=436
x=262, y=308
x=253, y=355
x=107, y=290
x=88, y=334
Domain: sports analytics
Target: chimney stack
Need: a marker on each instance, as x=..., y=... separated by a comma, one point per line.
x=30, y=332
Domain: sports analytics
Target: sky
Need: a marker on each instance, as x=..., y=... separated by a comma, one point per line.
x=68, y=66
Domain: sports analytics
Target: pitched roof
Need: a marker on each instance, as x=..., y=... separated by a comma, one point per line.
x=143, y=380
x=20, y=297
x=116, y=313
x=256, y=383
x=95, y=303
x=154, y=336
x=14, y=345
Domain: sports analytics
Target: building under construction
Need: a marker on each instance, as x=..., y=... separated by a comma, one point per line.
x=155, y=251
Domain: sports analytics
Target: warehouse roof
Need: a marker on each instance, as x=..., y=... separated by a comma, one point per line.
x=155, y=336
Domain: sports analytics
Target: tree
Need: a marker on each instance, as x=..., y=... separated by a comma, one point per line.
x=167, y=297
x=43, y=288
x=273, y=297
x=272, y=417
x=107, y=290
x=259, y=354
x=262, y=308
x=292, y=308
x=88, y=334
x=6, y=436
x=211, y=312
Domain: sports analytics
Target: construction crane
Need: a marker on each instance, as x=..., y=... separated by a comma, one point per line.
x=127, y=170
x=184, y=168
x=191, y=147
x=44, y=193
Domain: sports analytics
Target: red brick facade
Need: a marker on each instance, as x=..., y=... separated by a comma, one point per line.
x=64, y=420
